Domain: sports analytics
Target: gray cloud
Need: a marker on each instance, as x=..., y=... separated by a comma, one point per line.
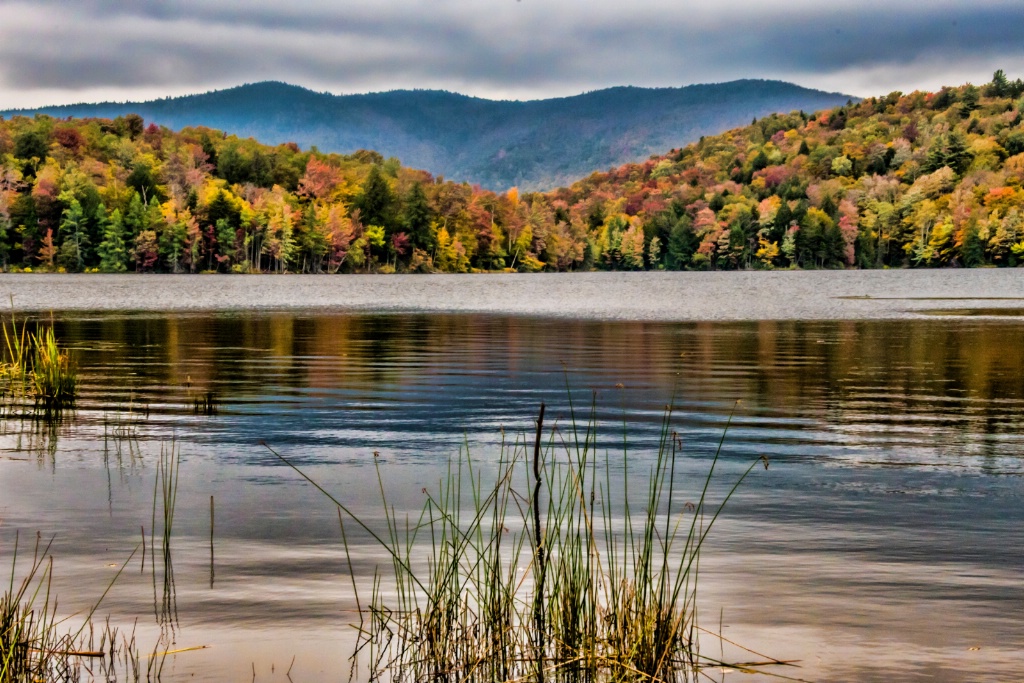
x=498, y=47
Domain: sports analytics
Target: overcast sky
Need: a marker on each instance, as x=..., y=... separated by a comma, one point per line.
x=63, y=51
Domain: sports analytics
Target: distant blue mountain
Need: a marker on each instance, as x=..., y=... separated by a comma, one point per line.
x=536, y=144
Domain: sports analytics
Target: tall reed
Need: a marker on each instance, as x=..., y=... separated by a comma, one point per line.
x=551, y=572
x=165, y=496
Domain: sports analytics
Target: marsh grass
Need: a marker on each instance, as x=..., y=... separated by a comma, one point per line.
x=36, y=369
x=555, y=569
x=36, y=648
x=54, y=375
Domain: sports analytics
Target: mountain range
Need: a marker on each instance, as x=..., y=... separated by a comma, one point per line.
x=537, y=144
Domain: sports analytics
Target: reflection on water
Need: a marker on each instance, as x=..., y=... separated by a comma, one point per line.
x=979, y=312
x=902, y=392
x=893, y=501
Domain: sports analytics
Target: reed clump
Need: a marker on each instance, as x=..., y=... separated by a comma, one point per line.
x=35, y=367
x=557, y=570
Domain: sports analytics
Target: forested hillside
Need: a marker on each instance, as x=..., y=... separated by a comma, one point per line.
x=924, y=179
x=537, y=144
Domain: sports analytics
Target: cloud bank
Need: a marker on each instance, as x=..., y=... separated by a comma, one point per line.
x=55, y=51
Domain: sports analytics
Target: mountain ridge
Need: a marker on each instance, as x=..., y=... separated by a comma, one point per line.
x=532, y=144
x=905, y=180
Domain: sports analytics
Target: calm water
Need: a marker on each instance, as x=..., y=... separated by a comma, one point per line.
x=884, y=542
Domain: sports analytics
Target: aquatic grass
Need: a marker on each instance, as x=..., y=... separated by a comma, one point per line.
x=35, y=367
x=26, y=618
x=165, y=496
x=33, y=646
x=547, y=572
x=54, y=375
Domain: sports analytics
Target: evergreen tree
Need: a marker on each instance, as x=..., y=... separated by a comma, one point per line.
x=943, y=99
x=973, y=249
x=135, y=217
x=226, y=238
x=232, y=166
x=936, y=158
x=682, y=243
x=377, y=202
x=416, y=218
x=221, y=207
x=760, y=160
x=968, y=100
x=112, y=250
x=172, y=242
x=1000, y=86
x=958, y=157
x=209, y=149
x=144, y=182
x=31, y=147
x=832, y=246
x=783, y=217
x=828, y=205
x=949, y=151
x=72, y=227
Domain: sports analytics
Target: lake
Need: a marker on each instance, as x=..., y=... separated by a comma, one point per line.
x=883, y=541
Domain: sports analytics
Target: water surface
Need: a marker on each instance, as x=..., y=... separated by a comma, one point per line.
x=883, y=542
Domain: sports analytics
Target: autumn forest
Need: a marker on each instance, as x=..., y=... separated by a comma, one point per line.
x=905, y=180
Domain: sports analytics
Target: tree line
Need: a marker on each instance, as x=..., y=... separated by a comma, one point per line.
x=905, y=180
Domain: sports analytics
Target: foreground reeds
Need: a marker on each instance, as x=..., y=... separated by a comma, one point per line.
x=555, y=571
x=35, y=648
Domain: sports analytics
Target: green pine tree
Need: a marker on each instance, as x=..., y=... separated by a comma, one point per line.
x=682, y=243
x=936, y=158
x=1000, y=85
x=958, y=157
x=226, y=239
x=377, y=202
x=72, y=227
x=968, y=100
x=112, y=250
x=135, y=219
x=416, y=218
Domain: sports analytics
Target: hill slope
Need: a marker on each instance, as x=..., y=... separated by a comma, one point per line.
x=497, y=144
x=925, y=179
x=917, y=180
